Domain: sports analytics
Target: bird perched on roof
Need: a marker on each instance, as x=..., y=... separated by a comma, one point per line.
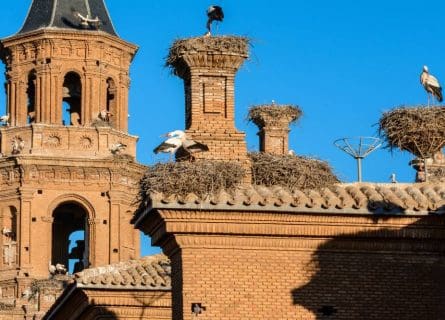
x=214, y=13
x=178, y=143
x=105, y=115
x=117, y=148
x=57, y=269
x=7, y=232
x=86, y=22
x=431, y=85
x=393, y=178
x=5, y=119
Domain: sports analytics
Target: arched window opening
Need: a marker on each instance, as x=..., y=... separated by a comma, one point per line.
x=72, y=97
x=76, y=251
x=9, y=236
x=31, y=93
x=68, y=237
x=66, y=114
x=111, y=99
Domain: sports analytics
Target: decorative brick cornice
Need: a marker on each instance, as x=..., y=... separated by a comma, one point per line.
x=36, y=170
x=163, y=222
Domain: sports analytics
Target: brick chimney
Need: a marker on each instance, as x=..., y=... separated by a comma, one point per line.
x=208, y=66
x=273, y=121
x=435, y=168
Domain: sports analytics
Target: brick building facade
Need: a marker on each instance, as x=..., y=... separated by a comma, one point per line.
x=353, y=251
x=68, y=162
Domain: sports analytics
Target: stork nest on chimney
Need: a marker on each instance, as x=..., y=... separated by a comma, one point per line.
x=271, y=113
x=419, y=130
x=220, y=44
x=291, y=172
x=202, y=178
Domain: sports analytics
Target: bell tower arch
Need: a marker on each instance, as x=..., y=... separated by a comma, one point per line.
x=67, y=82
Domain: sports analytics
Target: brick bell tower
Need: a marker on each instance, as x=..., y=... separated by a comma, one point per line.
x=67, y=168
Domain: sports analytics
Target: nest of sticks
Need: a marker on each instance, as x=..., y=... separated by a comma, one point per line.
x=202, y=178
x=221, y=44
x=100, y=123
x=262, y=114
x=291, y=172
x=6, y=306
x=419, y=130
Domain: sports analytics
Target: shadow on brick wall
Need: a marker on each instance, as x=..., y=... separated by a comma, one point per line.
x=384, y=274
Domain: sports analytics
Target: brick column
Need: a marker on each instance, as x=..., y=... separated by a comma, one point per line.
x=435, y=168
x=273, y=122
x=208, y=66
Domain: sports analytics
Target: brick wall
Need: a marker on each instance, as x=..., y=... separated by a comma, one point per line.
x=259, y=265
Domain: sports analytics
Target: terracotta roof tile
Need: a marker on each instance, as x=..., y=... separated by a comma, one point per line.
x=363, y=197
x=148, y=273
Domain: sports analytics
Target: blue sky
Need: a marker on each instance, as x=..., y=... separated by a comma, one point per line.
x=343, y=62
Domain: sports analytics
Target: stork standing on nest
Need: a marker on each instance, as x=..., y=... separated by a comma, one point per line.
x=117, y=148
x=178, y=142
x=431, y=85
x=214, y=13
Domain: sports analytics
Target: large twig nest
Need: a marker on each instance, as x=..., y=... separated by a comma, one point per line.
x=291, y=172
x=220, y=45
x=419, y=130
x=202, y=178
x=263, y=115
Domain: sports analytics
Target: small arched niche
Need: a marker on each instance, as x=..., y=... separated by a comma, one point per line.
x=31, y=97
x=9, y=236
x=111, y=101
x=69, y=236
x=72, y=100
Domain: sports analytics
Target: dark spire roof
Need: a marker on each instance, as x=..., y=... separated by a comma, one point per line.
x=68, y=14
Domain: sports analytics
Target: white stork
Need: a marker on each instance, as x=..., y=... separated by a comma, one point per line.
x=117, y=148
x=179, y=144
x=214, y=13
x=51, y=268
x=105, y=115
x=86, y=21
x=189, y=147
x=60, y=268
x=172, y=144
x=5, y=119
x=431, y=85
x=7, y=232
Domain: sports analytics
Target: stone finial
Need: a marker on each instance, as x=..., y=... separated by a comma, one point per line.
x=273, y=121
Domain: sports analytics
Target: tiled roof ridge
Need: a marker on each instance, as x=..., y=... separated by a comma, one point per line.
x=417, y=197
x=150, y=272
